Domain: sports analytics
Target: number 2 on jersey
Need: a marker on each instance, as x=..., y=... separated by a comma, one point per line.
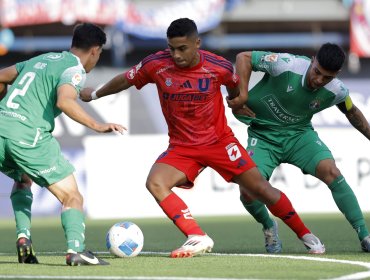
x=24, y=83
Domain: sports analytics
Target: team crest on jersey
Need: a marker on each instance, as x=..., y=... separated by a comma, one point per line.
x=168, y=82
x=271, y=57
x=233, y=151
x=314, y=105
x=76, y=79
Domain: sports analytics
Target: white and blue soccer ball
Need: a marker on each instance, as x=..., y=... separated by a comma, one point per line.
x=125, y=239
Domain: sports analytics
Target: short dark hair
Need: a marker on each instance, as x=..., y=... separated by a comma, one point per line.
x=331, y=57
x=87, y=35
x=182, y=27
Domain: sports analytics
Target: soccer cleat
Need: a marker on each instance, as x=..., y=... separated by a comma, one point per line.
x=84, y=258
x=365, y=244
x=194, y=245
x=313, y=244
x=273, y=243
x=25, y=251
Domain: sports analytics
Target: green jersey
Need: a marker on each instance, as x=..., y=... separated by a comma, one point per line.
x=28, y=110
x=281, y=100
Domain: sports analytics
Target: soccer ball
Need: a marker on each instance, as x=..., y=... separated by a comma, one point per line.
x=125, y=239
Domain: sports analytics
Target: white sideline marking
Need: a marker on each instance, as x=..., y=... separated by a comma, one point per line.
x=354, y=276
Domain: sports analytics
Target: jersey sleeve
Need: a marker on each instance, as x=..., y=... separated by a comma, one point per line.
x=228, y=76
x=272, y=63
x=139, y=75
x=19, y=66
x=339, y=90
x=74, y=76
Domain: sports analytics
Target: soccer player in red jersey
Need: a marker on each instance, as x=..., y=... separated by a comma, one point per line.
x=188, y=81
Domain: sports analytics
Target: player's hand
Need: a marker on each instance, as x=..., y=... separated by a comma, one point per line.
x=85, y=94
x=110, y=127
x=245, y=111
x=237, y=102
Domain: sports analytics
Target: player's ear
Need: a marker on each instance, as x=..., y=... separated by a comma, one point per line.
x=95, y=50
x=198, y=43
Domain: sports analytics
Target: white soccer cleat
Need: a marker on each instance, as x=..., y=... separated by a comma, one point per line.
x=313, y=244
x=194, y=245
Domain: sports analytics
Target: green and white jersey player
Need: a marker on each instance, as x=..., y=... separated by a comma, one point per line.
x=279, y=110
x=42, y=88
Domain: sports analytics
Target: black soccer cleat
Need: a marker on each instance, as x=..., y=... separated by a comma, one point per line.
x=25, y=251
x=365, y=244
x=84, y=258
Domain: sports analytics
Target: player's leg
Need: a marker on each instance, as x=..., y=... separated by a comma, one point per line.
x=172, y=170
x=236, y=165
x=345, y=199
x=21, y=198
x=61, y=183
x=315, y=158
x=280, y=206
x=73, y=222
x=266, y=157
x=259, y=212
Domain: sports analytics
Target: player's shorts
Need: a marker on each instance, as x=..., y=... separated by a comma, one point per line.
x=227, y=157
x=303, y=149
x=43, y=163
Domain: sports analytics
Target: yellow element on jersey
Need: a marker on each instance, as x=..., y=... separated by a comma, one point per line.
x=348, y=103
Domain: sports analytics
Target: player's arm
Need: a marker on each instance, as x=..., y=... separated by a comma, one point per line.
x=115, y=85
x=243, y=67
x=355, y=116
x=7, y=76
x=67, y=103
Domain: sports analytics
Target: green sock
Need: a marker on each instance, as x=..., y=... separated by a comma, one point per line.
x=22, y=202
x=74, y=229
x=348, y=205
x=259, y=212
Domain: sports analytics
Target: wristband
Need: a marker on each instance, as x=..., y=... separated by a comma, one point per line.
x=93, y=95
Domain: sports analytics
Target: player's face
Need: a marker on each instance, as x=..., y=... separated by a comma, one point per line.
x=184, y=50
x=317, y=76
x=95, y=53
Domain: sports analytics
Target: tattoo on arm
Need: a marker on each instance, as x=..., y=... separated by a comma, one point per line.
x=358, y=121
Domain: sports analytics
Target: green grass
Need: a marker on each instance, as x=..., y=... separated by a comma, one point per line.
x=233, y=236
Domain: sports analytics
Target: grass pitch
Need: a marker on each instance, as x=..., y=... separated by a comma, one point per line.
x=238, y=253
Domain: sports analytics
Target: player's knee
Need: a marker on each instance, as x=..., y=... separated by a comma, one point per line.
x=73, y=200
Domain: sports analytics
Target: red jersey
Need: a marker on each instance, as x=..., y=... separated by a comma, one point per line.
x=191, y=98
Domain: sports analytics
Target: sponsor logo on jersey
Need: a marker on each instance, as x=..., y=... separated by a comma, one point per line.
x=233, y=151
x=271, y=57
x=76, y=79
x=278, y=111
x=184, y=97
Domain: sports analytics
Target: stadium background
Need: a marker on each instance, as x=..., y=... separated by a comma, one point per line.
x=111, y=170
